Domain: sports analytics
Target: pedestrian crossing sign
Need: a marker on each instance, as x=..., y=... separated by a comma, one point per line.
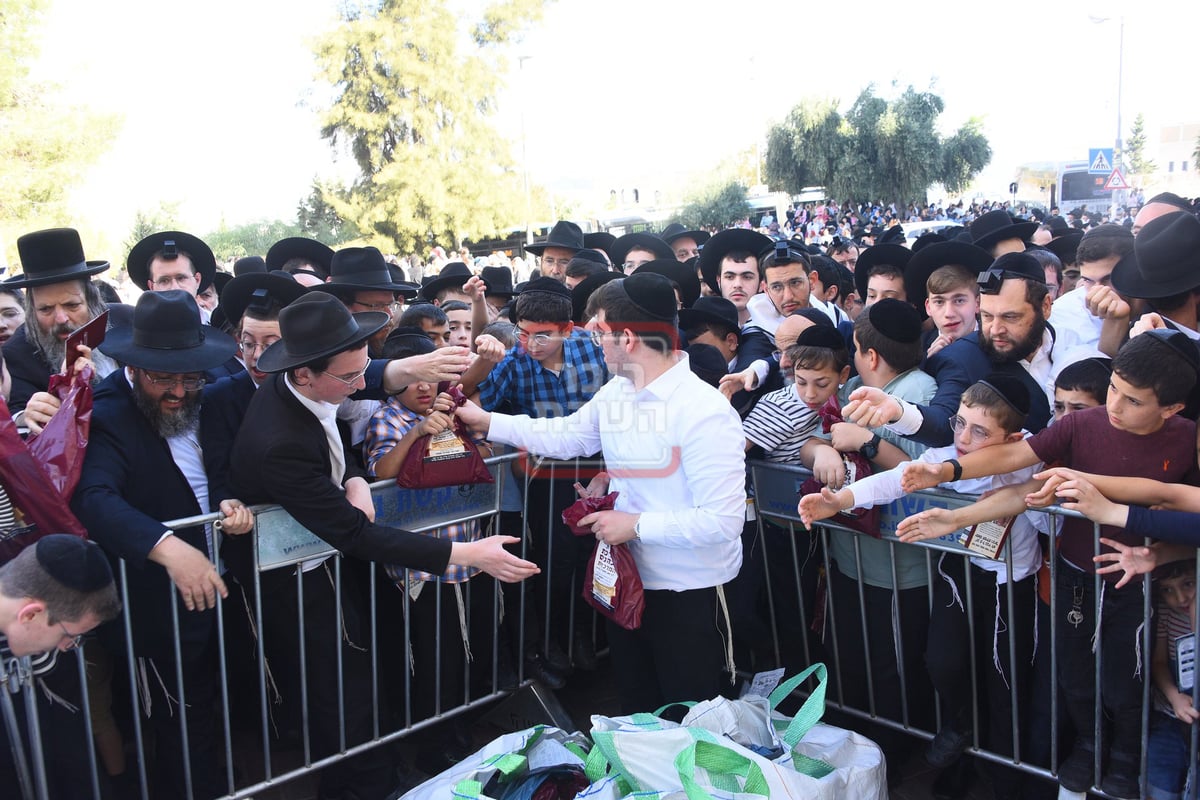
x=1100, y=160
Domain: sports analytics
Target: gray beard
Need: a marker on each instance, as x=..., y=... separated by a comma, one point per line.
x=168, y=424
x=49, y=347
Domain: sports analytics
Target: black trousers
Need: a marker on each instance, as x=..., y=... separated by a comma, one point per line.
x=677, y=653
x=948, y=654
x=366, y=776
x=563, y=557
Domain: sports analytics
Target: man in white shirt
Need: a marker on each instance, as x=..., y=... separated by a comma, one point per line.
x=672, y=447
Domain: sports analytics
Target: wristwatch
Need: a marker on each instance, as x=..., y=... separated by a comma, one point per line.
x=871, y=448
x=637, y=527
x=953, y=462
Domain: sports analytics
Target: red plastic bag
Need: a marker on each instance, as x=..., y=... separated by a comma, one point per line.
x=611, y=583
x=863, y=520
x=448, y=458
x=40, y=477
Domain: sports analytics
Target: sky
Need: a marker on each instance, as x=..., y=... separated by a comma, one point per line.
x=219, y=104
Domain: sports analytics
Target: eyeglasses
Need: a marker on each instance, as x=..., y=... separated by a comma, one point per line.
x=541, y=338
x=598, y=336
x=250, y=346
x=171, y=381
x=978, y=432
x=795, y=285
x=350, y=380
x=74, y=638
x=547, y=261
x=389, y=308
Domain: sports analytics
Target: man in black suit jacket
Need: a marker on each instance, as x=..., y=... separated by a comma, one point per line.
x=142, y=468
x=289, y=451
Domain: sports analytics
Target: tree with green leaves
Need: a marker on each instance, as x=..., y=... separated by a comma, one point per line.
x=1135, y=149
x=318, y=219
x=717, y=207
x=413, y=99
x=45, y=147
x=879, y=149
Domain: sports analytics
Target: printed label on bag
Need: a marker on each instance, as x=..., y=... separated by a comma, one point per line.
x=1185, y=661
x=763, y=683
x=987, y=538
x=446, y=445
x=604, y=576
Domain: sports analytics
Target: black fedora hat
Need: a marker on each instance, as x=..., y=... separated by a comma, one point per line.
x=599, y=240
x=171, y=244
x=319, y=255
x=584, y=289
x=996, y=226
x=221, y=279
x=685, y=277
x=564, y=234
x=362, y=269
x=713, y=309
x=677, y=231
x=1165, y=258
x=1065, y=246
x=257, y=289
x=249, y=264
x=498, y=281
x=893, y=235
x=896, y=255
x=315, y=326
x=727, y=241
x=1058, y=227
x=933, y=257
x=167, y=336
x=52, y=256
x=452, y=276
x=638, y=241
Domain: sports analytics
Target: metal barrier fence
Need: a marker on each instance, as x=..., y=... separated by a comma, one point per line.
x=787, y=570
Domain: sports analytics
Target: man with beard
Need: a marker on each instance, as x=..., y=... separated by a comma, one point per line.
x=143, y=467
x=59, y=299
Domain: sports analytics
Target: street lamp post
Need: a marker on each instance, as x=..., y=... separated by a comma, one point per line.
x=1118, y=152
x=524, y=158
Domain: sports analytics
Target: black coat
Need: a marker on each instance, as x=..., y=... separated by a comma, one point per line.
x=128, y=487
x=281, y=455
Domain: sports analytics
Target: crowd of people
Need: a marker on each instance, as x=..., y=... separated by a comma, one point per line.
x=1032, y=361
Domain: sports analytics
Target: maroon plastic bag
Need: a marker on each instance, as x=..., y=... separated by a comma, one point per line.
x=449, y=458
x=33, y=488
x=863, y=520
x=62, y=443
x=611, y=583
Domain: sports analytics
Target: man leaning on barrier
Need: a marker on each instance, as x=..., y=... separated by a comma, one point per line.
x=290, y=451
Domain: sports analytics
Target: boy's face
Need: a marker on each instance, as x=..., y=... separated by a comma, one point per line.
x=974, y=429
x=542, y=340
x=1068, y=401
x=738, y=280
x=418, y=397
x=1178, y=593
x=1135, y=410
x=438, y=334
x=881, y=286
x=953, y=312
x=815, y=386
x=460, y=328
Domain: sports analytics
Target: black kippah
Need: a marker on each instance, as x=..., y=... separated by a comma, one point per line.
x=1011, y=391
x=821, y=336
x=653, y=294
x=548, y=286
x=815, y=316
x=408, y=339
x=1180, y=343
x=895, y=319
x=74, y=562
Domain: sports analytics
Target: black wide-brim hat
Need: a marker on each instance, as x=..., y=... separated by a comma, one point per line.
x=138, y=263
x=638, y=241
x=1165, y=260
x=316, y=253
x=584, y=289
x=362, y=269
x=684, y=276
x=52, y=256
x=221, y=279
x=315, y=326
x=725, y=242
x=167, y=336
x=1065, y=246
x=996, y=226
x=598, y=240
x=452, y=276
x=677, y=231
x=564, y=234
x=714, y=310
x=498, y=281
x=896, y=255
x=243, y=290
x=933, y=257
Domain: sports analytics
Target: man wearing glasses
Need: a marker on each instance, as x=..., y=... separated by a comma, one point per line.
x=143, y=467
x=564, y=241
x=359, y=277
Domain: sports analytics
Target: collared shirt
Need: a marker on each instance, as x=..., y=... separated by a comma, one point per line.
x=1070, y=312
x=387, y=427
x=530, y=388
x=326, y=414
x=675, y=452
